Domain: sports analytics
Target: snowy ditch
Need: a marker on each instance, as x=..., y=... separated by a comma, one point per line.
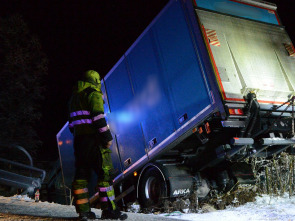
x=265, y=207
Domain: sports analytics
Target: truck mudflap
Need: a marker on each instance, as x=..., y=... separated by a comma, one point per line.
x=160, y=181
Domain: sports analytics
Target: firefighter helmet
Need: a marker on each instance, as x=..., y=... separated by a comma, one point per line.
x=92, y=77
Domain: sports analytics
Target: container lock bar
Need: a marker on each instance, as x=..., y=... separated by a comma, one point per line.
x=277, y=141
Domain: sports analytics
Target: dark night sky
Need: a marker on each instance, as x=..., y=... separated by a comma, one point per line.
x=78, y=35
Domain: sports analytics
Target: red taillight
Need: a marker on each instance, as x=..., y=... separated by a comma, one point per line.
x=240, y=111
x=207, y=128
x=235, y=111
x=200, y=130
x=232, y=111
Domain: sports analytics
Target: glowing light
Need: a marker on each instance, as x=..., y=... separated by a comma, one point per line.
x=200, y=130
x=124, y=117
x=60, y=143
x=235, y=111
x=207, y=127
x=68, y=141
x=136, y=109
x=134, y=173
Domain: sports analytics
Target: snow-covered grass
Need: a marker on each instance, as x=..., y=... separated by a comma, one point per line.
x=264, y=208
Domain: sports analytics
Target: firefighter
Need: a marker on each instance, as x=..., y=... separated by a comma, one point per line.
x=92, y=139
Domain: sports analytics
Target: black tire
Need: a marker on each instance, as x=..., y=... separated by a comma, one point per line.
x=152, y=188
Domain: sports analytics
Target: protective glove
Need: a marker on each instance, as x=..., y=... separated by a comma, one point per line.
x=109, y=144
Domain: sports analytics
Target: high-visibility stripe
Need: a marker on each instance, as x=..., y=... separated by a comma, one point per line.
x=82, y=121
x=212, y=36
x=82, y=201
x=80, y=191
x=103, y=129
x=291, y=50
x=79, y=113
x=103, y=199
x=105, y=189
x=112, y=198
x=100, y=116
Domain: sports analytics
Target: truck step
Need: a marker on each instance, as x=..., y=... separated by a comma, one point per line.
x=233, y=123
x=277, y=141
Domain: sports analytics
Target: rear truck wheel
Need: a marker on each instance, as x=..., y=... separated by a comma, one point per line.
x=152, y=188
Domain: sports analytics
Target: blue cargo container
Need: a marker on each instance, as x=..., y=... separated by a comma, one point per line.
x=181, y=101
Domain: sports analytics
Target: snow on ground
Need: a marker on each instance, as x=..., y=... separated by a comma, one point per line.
x=27, y=208
x=265, y=208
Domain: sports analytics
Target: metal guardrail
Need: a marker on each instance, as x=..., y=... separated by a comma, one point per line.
x=27, y=182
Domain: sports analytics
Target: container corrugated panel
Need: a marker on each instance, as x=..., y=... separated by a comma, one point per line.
x=115, y=151
x=251, y=57
x=157, y=88
x=123, y=115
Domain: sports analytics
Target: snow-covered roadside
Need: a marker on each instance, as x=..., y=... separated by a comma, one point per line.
x=26, y=207
x=264, y=208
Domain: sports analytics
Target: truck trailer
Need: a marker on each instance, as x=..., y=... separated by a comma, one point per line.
x=208, y=85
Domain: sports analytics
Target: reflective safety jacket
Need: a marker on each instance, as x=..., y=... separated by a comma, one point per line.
x=86, y=113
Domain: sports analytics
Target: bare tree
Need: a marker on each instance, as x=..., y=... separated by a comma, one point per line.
x=23, y=66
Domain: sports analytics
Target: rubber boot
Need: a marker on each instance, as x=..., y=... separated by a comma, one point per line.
x=84, y=216
x=113, y=214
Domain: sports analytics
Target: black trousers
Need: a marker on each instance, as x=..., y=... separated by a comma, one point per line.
x=87, y=156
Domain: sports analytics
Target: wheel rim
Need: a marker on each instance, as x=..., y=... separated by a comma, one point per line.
x=152, y=189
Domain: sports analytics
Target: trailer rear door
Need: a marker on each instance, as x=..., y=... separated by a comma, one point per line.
x=249, y=56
